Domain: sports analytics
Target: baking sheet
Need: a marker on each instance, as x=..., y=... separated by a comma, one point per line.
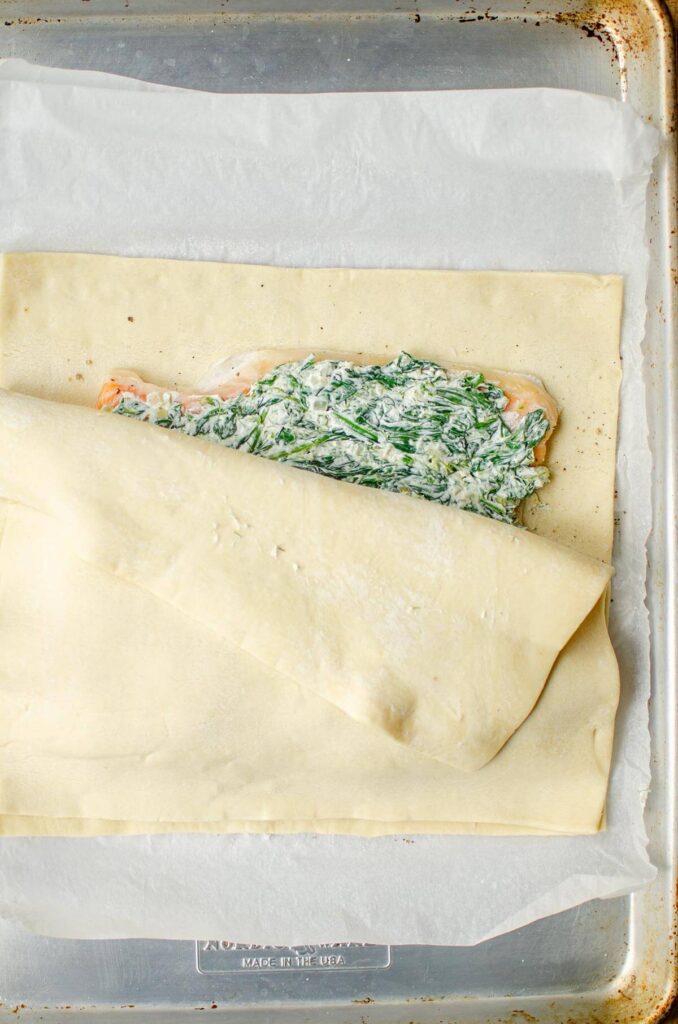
x=336, y=180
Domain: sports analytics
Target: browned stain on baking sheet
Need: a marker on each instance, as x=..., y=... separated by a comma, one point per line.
x=627, y=24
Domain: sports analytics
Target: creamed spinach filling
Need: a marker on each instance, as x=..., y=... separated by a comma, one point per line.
x=408, y=426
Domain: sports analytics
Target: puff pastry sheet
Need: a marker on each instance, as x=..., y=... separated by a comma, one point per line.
x=197, y=639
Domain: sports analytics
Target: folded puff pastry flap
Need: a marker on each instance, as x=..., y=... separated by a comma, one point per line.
x=434, y=625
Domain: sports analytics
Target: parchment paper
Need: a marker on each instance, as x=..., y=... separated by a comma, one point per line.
x=530, y=179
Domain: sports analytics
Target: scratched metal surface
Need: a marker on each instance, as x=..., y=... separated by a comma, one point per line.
x=603, y=962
